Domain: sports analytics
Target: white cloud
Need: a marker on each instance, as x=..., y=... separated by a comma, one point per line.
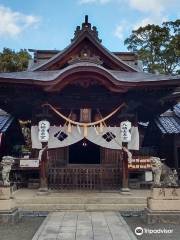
x=155, y=10
x=119, y=32
x=13, y=23
x=121, y=29
x=94, y=1
x=150, y=20
x=147, y=6
x=152, y=6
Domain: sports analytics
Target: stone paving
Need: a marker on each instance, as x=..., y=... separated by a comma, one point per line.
x=82, y=225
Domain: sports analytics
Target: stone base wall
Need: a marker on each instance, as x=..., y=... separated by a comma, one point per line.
x=8, y=212
x=170, y=217
x=164, y=199
x=163, y=206
x=165, y=193
x=7, y=205
x=5, y=192
x=12, y=216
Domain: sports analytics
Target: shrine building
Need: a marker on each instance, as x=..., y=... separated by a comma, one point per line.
x=68, y=109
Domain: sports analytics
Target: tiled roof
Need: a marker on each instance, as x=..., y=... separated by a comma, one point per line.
x=177, y=109
x=5, y=122
x=122, y=76
x=170, y=123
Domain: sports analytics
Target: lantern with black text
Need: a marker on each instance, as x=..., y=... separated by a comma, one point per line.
x=125, y=131
x=43, y=133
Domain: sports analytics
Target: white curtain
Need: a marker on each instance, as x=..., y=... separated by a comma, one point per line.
x=109, y=138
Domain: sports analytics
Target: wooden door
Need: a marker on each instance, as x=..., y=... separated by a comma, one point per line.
x=58, y=157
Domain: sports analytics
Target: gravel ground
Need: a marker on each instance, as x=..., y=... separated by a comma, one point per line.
x=137, y=221
x=23, y=230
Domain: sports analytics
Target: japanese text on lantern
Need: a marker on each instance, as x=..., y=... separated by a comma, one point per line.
x=125, y=131
x=43, y=133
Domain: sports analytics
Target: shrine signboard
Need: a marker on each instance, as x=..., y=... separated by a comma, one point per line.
x=29, y=163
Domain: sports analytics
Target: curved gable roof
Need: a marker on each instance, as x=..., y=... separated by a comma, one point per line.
x=82, y=36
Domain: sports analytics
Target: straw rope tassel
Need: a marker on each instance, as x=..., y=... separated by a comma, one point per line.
x=69, y=128
x=85, y=131
x=101, y=127
x=78, y=128
x=96, y=130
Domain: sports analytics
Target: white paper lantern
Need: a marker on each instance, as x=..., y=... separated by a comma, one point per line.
x=125, y=131
x=43, y=133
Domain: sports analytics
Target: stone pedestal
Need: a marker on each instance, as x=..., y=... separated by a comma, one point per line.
x=42, y=191
x=5, y=192
x=163, y=206
x=7, y=205
x=8, y=211
x=125, y=191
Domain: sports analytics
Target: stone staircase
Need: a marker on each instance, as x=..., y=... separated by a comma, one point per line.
x=80, y=201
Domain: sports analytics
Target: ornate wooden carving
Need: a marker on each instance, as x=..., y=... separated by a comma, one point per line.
x=86, y=55
x=85, y=83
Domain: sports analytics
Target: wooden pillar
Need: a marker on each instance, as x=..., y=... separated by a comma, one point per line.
x=43, y=169
x=43, y=135
x=125, y=173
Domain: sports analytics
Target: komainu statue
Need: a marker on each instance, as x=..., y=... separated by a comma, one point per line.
x=163, y=175
x=6, y=163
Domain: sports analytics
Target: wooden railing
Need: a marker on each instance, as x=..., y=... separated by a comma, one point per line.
x=84, y=178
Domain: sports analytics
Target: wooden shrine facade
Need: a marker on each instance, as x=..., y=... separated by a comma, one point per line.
x=85, y=75
x=106, y=174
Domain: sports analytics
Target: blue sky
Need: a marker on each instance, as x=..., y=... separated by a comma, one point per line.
x=50, y=24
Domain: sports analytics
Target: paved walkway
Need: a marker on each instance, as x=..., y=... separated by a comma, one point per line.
x=81, y=225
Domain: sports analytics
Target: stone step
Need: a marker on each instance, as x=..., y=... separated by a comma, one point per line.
x=85, y=207
x=81, y=200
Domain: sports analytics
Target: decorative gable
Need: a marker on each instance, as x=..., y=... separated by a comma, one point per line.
x=86, y=27
x=85, y=47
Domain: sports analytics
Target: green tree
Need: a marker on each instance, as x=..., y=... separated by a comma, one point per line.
x=11, y=61
x=157, y=46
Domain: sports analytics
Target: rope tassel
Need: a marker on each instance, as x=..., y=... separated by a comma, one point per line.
x=78, y=128
x=85, y=131
x=69, y=128
x=101, y=127
x=96, y=130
